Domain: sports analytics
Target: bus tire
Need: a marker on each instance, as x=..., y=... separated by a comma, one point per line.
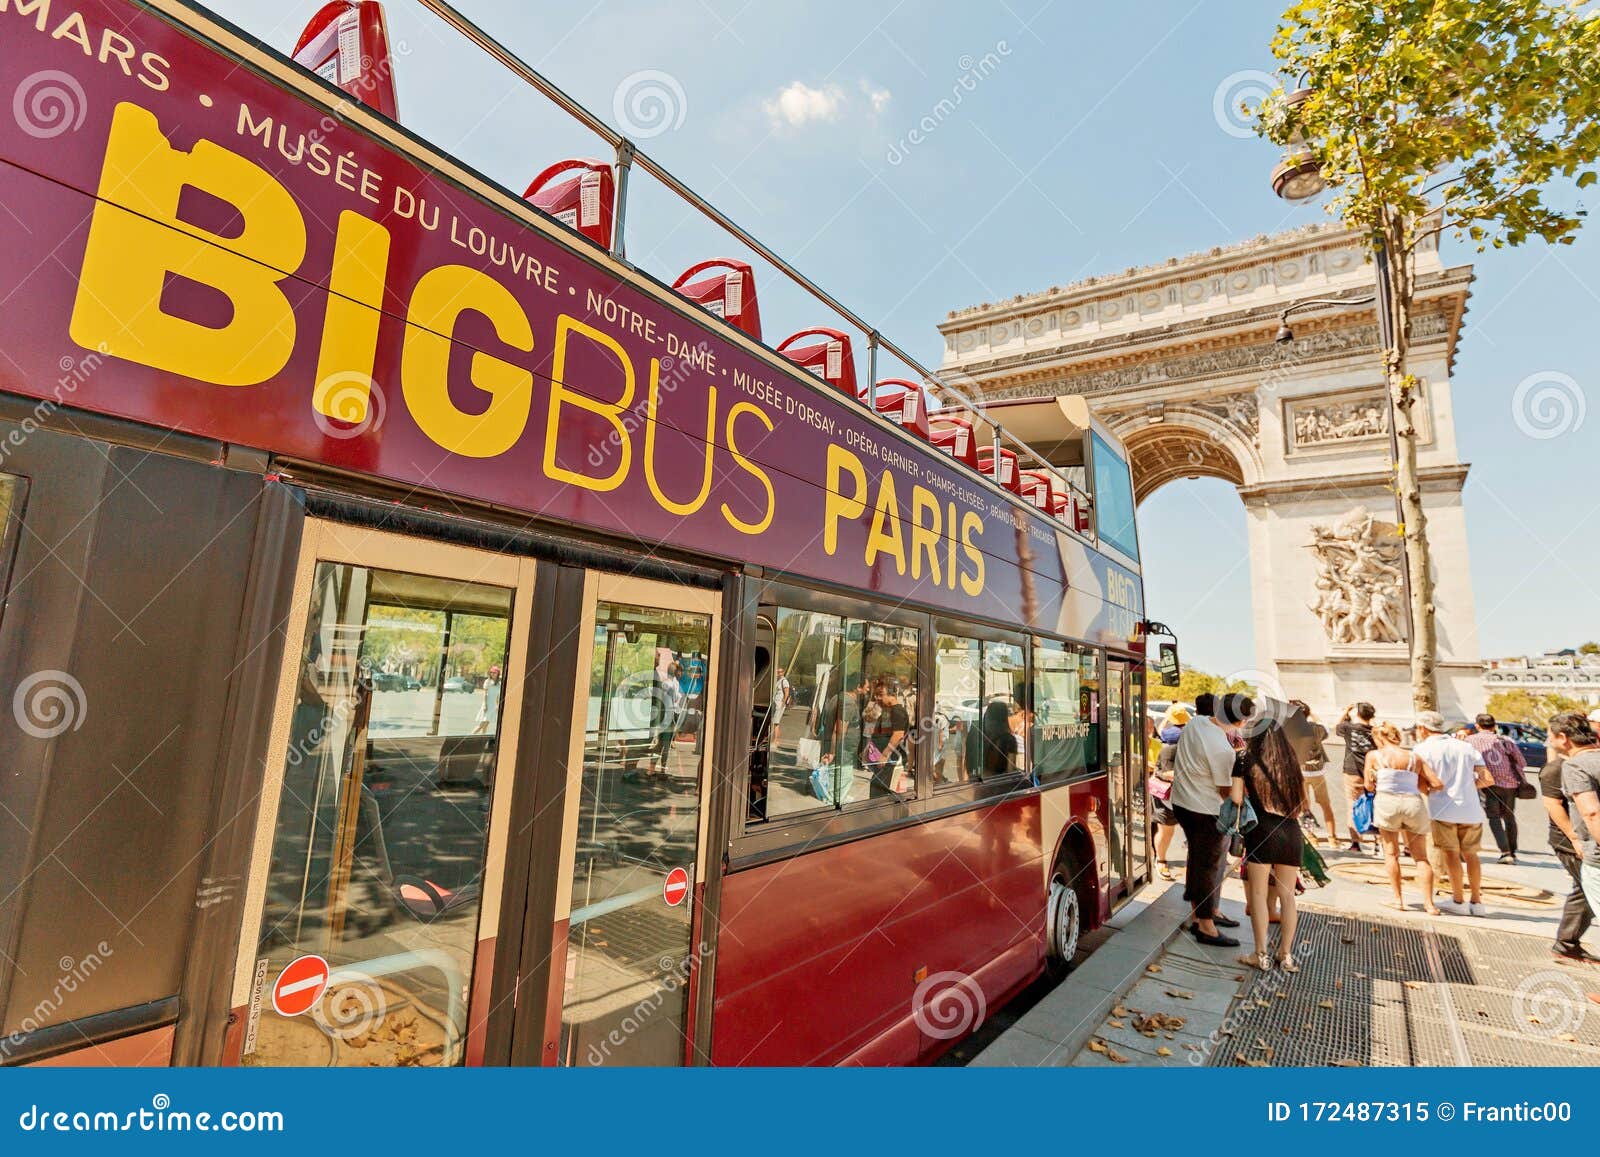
x=1063, y=918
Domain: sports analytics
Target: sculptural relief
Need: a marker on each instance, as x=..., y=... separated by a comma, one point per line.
x=1343, y=421
x=1358, y=579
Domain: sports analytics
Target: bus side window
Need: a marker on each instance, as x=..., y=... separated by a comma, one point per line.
x=760, y=721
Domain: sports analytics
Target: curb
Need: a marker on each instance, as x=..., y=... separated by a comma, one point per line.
x=1052, y=1032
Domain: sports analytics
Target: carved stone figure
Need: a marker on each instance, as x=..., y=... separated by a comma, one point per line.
x=1340, y=421
x=1358, y=579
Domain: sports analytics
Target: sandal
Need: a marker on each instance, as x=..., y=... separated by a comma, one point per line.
x=1257, y=960
x=1287, y=963
x=1432, y=909
x=1166, y=873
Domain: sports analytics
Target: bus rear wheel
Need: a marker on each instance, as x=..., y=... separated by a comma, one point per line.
x=1063, y=919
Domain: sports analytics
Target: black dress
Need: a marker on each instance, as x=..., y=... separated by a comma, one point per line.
x=1276, y=839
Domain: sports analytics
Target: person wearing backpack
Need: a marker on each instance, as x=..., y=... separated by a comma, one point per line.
x=1505, y=762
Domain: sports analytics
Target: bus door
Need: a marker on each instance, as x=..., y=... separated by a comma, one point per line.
x=1127, y=830
x=627, y=945
x=373, y=900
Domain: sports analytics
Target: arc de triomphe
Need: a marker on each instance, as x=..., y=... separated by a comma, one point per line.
x=1180, y=359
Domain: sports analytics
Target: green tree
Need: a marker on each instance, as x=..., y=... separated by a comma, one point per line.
x=1525, y=707
x=1195, y=682
x=1589, y=649
x=1427, y=115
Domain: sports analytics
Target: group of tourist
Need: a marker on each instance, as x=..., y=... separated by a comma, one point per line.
x=1232, y=779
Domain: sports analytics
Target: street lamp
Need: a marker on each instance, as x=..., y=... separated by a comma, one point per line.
x=1296, y=178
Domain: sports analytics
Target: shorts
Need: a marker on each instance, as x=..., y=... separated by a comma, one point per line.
x=1589, y=879
x=1397, y=812
x=1161, y=811
x=1463, y=839
x=1317, y=792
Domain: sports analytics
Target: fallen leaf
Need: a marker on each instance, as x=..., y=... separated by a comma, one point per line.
x=1271, y=1052
x=1097, y=1045
x=1534, y=1020
x=1170, y=1035
x=1152, y=968
x=1324, y=1004
x=1281, y=995
x=1415, y=984
x=1163, y=1051
x=1568, y=1038
x=1240, y=976
x=1149, y=1033
x=1351, y=940
x=1119, y=1011
x=1114, y=1023
x=1359, y=975
x=1249, y=1062
x=1115, y=1057
x=1346, y=1063
x=1263, y=1003
x=1180, y=994
x=1339, y=984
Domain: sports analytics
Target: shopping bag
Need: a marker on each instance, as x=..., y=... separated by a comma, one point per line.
x=1361, y=813
x=831, y=784
x=808, y=751
x=1313, y=865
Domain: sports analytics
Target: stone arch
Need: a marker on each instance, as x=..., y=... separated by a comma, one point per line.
x=1186, y=444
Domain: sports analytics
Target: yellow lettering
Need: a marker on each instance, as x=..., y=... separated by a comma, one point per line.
x=652, y=404
x=884, y=537
x=836, y=505
x=611, y=412
x=759, y=474
x=350, y=325
x=950, y=548
x=136, y=240
x=923, y=536
x=972, y=583
x=441, y=296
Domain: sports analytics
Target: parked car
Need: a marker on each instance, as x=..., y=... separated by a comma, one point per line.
x=384, y=681
x=1530, y=740
x=457, y=683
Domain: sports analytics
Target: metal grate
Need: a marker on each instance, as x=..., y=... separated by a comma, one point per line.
x=1372, y=993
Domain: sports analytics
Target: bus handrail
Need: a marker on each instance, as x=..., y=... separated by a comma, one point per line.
x=628, y=153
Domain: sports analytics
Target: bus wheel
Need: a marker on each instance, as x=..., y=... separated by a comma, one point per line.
x=1064, y=920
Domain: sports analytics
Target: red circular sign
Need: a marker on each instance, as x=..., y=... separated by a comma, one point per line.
x=300, y=985
x=675, y=889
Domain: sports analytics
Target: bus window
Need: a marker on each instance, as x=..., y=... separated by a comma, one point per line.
x=979, y=693
x=957, y=704
x=1113, y=499
x=844, y=706
x=1066, y=724
x=382, y=821
x=881, y=674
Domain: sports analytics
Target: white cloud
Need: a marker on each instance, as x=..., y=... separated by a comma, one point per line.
x=800, y=104
x=878, y=96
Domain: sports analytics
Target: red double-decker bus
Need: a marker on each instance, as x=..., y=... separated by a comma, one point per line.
x=433, y=640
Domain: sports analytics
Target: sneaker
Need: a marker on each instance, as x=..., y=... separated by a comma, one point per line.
x=1477, y=909
x=1355, y=847
x=1573, y=954
x=1507, y=858
x=1454, y=908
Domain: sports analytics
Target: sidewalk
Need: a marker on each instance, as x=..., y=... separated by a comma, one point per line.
x=1376, y=986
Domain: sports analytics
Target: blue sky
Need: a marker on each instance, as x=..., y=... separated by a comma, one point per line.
x=1088, y=142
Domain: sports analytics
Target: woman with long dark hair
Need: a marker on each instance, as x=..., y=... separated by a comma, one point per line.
x=1268, y=774
x=992, y=746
